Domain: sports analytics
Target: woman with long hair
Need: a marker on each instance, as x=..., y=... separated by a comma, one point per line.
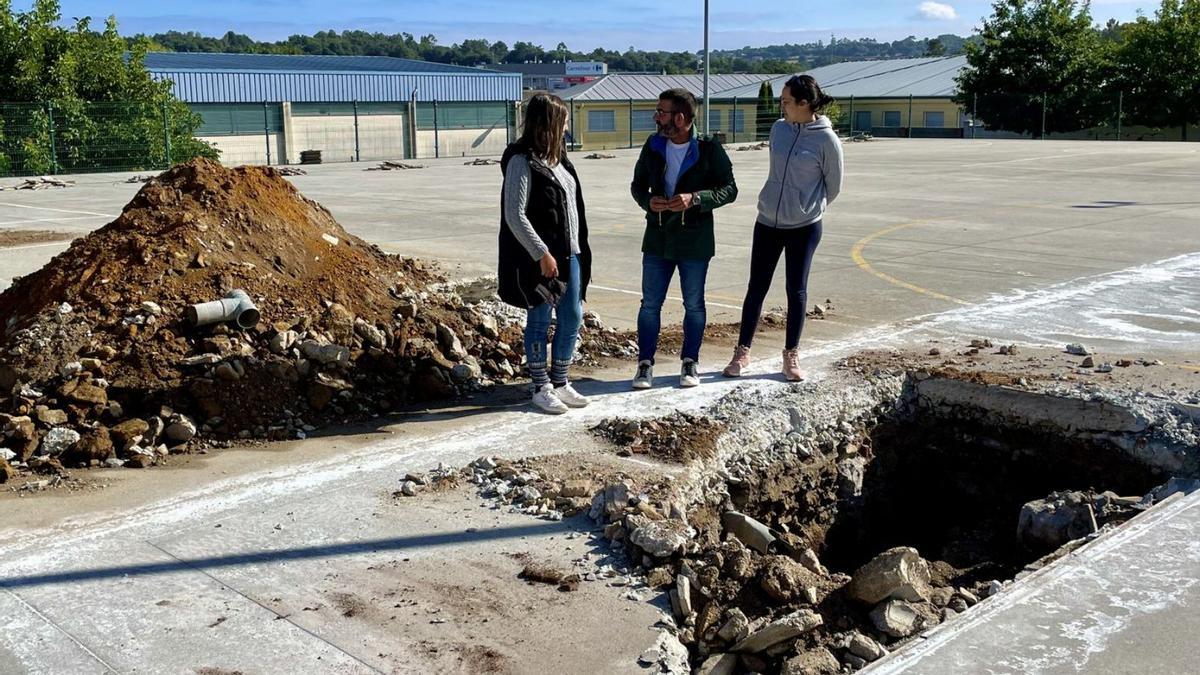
x=805, y=176
x=545, y=261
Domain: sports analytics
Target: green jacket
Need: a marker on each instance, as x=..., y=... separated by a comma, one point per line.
x=706, y=170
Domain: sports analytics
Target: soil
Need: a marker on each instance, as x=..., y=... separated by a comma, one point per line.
x=680, y=437
x=10, y=238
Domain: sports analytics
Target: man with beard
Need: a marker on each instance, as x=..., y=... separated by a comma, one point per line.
x=678, y=181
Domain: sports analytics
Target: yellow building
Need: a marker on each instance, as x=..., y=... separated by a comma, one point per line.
x=900, y=97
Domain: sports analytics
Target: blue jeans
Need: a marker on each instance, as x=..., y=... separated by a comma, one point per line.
x=656, y=277
x=569, y=313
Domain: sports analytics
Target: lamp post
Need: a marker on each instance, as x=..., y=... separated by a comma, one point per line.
x=706, y=113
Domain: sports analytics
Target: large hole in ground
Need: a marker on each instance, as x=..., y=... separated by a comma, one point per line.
x=950, y=486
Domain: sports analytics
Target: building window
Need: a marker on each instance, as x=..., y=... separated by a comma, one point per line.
x=602, y=120
x=714, y=120
x=891, y=118
x=643, y=120
x=862, y=120
x=935, y=118
x=739, y=121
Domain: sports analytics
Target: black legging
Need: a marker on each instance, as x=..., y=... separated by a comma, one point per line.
x=800, y=244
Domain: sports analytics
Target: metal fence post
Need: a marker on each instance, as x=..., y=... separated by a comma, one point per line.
x=631, y=121
x=910, y=119
x=734, y=124
x=1043, y=137
x=166, y=115
x=974, y=115
x=851, y=114
x=574, y=138
x=267, y=130
x=1120, y=104
x=53, y=149
x=357, y=148
x=437, y=146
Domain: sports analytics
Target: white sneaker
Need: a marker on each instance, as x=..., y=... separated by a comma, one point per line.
x=689, y=374
x=569, y=396
x=644, y=378
x=546, y=399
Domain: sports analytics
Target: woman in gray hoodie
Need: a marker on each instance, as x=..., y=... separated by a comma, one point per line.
x=805, y=177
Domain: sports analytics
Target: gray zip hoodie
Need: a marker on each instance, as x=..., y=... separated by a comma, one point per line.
x=805, y=175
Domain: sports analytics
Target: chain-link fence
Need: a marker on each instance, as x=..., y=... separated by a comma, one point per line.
x=1079, y=116
x=612, y=125
x=49, y=138
x=41, y=138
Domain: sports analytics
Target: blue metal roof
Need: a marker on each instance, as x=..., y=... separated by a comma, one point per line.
x=177, y=61
x=928, y=77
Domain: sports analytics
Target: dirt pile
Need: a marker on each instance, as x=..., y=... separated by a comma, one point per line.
x=98, y=364
x=679, y=437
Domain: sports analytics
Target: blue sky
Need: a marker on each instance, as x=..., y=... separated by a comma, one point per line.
x=673, y=25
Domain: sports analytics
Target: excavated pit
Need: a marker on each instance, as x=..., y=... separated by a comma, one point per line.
x=973, y=484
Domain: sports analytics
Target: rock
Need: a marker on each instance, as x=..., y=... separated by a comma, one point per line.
x=201, y=360
x=817, y=661
x=659, y=577
x=71, y=369
x=58, y=440
x=227, y=372
x=488, y=327
x=51, y=417
x=793, y=625
x=450, y=344
x=784, y=579
x=325, y=354
x=941, y=596
x=661, y=538
x=749, y=531
x=95, y=445
x=47, y=465
x=181, y=429
x=1088, y=362
x=1104, y=368
x=898, y=573
x=1046, y=524
x=683, y=587
x=719, y=664
x=138, y=461
x=23, y=437
x=86, y=393
x=577, y=488
x=283, y=341
x=408, y=488
x=736, y=626
x=851, y=473
x=865, y=648
x=406, y=310
x=855, y=662
x=7, y=473
x=371, y=335
x=808, y=558
x=1077, y=349
x=901, y=619
x=610, y=502
x=462, y=374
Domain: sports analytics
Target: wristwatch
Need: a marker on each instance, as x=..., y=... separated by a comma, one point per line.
x=695, y=199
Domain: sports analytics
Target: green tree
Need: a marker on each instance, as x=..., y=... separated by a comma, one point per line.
x=934, y=47
x=767, y=110
x=1159, y=66
x=83, y=100
x=1037, y=59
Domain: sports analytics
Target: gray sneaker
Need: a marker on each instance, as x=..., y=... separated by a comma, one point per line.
x=689, y=374
x=644, y=378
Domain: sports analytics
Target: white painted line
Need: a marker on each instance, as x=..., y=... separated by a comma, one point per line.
x=45, y=220
x=669, y=297
x=1065, y=155
x=47, y=208
x=64, y=242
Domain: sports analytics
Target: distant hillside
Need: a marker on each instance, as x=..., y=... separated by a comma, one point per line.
x=479, y=52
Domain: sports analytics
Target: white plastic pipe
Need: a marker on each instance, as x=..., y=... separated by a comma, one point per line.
x=236, y=307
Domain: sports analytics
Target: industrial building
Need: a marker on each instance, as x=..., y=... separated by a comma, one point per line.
x=899, y=97
x=555, y=76
x=260, y=108
x=896, y=97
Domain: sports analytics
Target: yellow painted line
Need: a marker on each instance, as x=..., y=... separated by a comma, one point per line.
x=856, y=253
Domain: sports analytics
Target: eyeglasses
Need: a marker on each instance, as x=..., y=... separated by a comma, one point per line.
x=659, y=112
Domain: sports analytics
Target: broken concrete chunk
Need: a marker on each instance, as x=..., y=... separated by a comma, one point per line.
x=900, y=573
x=1046, y=524
x=719, y=664
x=1077, y=349
x=58, y=440
x=793, y=625
x=181, y=429
x=901, y=619
x=866, y=648
x=818, y=661
x=661, y=538
x=736, y=626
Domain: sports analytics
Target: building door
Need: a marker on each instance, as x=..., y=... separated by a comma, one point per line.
x=862, y=120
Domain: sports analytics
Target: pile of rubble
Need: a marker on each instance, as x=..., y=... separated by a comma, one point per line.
x=100, y=363
x=39, y=183
x=679, y=437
